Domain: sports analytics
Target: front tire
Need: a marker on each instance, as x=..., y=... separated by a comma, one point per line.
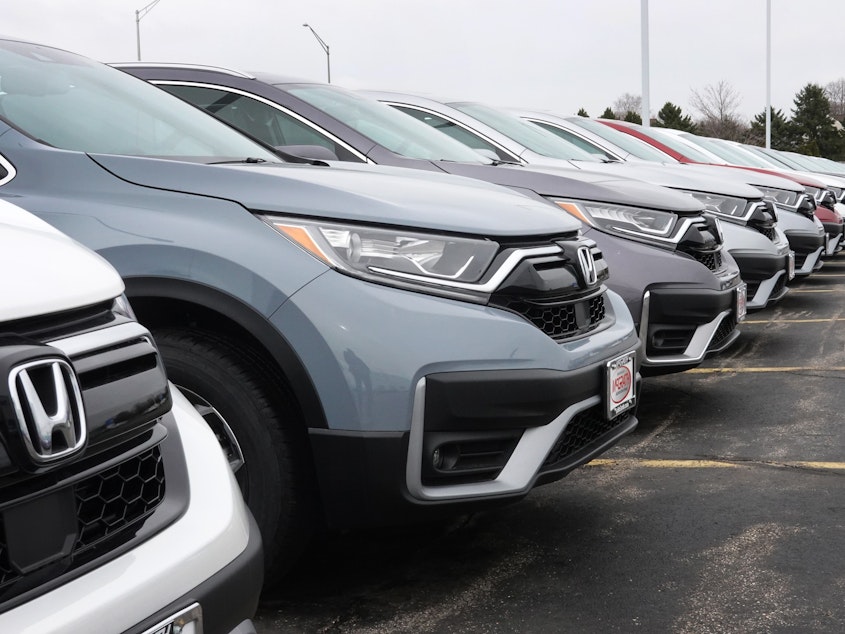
x=260, y=430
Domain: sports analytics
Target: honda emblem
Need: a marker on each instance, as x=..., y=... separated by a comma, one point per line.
x=48, y=404
x=588, y=266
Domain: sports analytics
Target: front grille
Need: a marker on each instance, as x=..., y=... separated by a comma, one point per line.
x=108, y=504
x=712, y=260
x=558, y=318
x=111, y=500
x=769, y=232
x=584, y=428
x=57, y=325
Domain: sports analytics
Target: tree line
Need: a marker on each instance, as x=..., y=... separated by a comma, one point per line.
x=815, y=126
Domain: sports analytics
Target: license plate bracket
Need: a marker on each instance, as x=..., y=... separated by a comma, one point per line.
x=620, y=392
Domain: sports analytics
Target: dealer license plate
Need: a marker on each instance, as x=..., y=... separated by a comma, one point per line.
x=741, y=300
x=790, y=265
x=621, y=389
x=188, y=621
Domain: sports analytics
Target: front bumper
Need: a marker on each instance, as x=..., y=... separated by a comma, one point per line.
x=766, y=274
x=504, y=432
x=833, y=237
x=680, y=326
x=215, y=539
x=808, y=248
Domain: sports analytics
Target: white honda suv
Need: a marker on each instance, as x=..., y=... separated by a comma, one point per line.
x=118, y=510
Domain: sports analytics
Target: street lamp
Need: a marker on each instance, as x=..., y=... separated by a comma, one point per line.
x=140, y=13
x=325, y=48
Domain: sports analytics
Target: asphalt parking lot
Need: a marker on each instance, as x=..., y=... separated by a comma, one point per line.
x=723, y=512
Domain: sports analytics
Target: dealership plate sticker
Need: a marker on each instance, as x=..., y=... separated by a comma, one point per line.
x=790, y=265
x=741, y=301
x=621, y=394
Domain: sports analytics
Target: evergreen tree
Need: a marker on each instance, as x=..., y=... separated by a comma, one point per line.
x=633, y=117
x=608, y=114
x=671, y=116
x=814, y=125
x=582, y=113
x=784, y=134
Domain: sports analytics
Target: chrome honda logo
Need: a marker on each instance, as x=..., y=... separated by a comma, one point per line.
x=48, y=404
x=588, y=266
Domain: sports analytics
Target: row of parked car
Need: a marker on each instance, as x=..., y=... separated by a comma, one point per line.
x=379, y=318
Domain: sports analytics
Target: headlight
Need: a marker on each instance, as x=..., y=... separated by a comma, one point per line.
x=630, y=221
x=815, y=192
x=780, y=196
x=378, y=253
x=717, y=204
x=838, y=193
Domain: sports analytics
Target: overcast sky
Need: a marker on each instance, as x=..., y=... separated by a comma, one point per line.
x=556, y=55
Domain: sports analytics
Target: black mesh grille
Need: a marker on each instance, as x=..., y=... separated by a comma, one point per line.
x=770, y=232
x=107, y=503
x=583, y=429
x=559, y=319
x=780, y=284
x=712, y=260
x=119, y=496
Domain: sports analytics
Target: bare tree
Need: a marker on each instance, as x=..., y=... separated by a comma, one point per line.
x=835, y=92
x=718, y=106
x=627, y=103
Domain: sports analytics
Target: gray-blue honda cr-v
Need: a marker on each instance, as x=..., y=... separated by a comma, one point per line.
x=371, y=345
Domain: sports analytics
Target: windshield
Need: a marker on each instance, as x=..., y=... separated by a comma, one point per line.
x=70, y=102
x=681, y=147
x=722, y=150
x=772, y=157
x=379, y=122
x=527, y=134
x=630, y=144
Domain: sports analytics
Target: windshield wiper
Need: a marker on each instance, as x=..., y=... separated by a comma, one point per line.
x=248, y=159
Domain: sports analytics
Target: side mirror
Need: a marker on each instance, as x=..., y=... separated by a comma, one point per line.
x=313, y=152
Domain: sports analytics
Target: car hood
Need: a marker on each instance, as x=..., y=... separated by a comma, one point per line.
x=358, y=193
x=580, y=185
x=51, y=272
x=748, y=176
x=677, y=177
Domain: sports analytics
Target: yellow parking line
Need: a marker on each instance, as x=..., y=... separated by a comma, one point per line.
x=713, y=464
x=797, y=368
x=792, y=321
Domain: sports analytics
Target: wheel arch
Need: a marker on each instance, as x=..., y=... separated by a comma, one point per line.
x=162, y=302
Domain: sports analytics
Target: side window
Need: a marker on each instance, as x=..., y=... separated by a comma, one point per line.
x=273, y=126
x=457, y=132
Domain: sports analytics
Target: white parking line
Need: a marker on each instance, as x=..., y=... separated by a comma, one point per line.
x=714, y=464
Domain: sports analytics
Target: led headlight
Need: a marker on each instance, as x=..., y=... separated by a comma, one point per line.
x=619, y=219
x=838, y=193
x=783, y=197
x=383, y=253
x=815, y=192
x=718, y=204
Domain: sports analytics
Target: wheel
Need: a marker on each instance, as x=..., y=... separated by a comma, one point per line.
x=260, y=431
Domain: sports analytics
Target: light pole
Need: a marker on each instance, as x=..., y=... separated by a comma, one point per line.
x=644, y=105
x=325, y=47
x=140, y=13
x=768, y=74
